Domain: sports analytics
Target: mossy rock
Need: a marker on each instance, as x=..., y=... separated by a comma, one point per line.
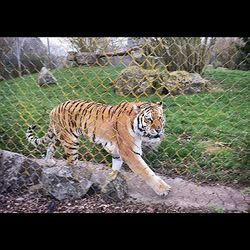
x=135, y=80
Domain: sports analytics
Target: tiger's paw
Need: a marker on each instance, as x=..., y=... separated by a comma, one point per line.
x=161, y=187
x=113, y=175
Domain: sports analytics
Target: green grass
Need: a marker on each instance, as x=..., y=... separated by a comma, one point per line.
x=221, y=117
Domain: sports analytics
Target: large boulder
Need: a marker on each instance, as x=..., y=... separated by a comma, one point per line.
x=46, y=78
x=86, y=58
x=71, y=56
x=115, y=189
x=135, y=80
x=61, y=182
x=21, y=174
x=18, y=173
x=183, y=82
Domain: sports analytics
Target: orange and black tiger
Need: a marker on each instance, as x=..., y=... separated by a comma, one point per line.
x=119, y=129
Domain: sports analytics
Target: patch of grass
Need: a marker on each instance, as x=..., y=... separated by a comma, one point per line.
x=216, y=210
x=218, y=116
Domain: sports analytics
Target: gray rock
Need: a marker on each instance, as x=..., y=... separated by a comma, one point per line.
x=138, y=56
x=46, y=78
x=71, y=56
x=191, y=90
x=183, y=82
x=197, y=80
x=1, y=78
x=61, y=183
x=18, y=173
x=115, y=189
x=135, y=80
x=86, y=58
x=69, y=64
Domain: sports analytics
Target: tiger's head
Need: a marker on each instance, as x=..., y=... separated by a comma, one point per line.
x=149, y=121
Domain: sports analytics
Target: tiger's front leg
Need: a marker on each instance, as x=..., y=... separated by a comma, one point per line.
x=116, y=165
x=140, y=167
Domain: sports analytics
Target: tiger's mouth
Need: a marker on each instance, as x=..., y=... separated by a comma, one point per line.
x=152, y=136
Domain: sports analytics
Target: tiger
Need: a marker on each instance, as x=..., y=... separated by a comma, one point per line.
x=120, y=129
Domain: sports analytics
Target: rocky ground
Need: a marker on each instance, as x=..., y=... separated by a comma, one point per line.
x=37, y=203
x=28, y=186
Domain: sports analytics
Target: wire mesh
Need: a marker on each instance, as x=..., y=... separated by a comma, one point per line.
x=203, y=83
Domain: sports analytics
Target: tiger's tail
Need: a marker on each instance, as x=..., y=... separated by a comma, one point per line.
x=38, y=141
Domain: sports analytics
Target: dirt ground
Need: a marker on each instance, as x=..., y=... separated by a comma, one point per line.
x=36, y=203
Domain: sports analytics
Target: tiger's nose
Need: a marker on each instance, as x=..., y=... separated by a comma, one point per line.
x=158, y=130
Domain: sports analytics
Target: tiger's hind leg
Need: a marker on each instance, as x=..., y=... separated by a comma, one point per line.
x=70, y=144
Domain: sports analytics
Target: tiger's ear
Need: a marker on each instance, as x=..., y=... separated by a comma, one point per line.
x=136, y=109
x=161, y=104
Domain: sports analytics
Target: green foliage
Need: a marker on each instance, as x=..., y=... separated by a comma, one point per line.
x=180, y=53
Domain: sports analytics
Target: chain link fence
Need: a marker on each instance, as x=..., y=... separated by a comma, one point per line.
x=203, y=82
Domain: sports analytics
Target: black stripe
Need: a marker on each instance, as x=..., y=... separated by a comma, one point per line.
x=132, y=126
x=123, y=108
x=72, y=148
x=76, y=106
x=69, y=143
x=105, y=107
x=74, y=135
x=131, y=111
x=58, y=110
x=116, y=157
x=139, y=122
x=109, y=111
x=81, y=106
x=72, y=132
x=136, y=153
x=96, y=116
x=145, y=105
x=51, y=135
x=83, y=116
x=117, y=107
x=116, y=127
x=90, y=111
x=146, y=109
x=66, y=104
x=29, y=135
x=89, y=105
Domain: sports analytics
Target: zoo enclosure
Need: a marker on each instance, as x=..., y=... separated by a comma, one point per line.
x=203, y=83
